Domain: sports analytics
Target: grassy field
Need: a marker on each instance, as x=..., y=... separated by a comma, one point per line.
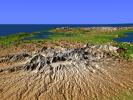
x=13, y=38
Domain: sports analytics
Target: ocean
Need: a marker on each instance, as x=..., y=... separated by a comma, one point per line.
x=7, y=29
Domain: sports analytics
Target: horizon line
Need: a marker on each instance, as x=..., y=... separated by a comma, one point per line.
x=62, y=24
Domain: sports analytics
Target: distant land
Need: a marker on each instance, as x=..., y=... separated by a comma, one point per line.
x=6, y=29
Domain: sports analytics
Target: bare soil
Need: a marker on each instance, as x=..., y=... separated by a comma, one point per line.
x=98, y=82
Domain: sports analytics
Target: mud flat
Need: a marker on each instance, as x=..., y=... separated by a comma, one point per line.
x=90, y=72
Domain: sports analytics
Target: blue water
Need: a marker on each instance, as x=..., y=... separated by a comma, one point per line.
x=128, y=38
x=14, y=28
x=8, y=29
x=11, y=29
x=40, y=35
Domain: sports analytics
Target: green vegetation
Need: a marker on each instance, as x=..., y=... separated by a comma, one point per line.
x=13, y=38
x=85, y=36
x=125, y=95
x=128, y=50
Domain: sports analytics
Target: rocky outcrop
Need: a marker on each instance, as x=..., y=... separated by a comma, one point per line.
x=92, y=72
x=15, y=57
x=53, y=58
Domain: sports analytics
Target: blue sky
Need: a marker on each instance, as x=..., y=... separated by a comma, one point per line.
x=66, y=11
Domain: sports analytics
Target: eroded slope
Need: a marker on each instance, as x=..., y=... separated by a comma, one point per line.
x=93, y=72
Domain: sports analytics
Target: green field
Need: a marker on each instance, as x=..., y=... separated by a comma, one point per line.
x=85, y=36
x=13, y=38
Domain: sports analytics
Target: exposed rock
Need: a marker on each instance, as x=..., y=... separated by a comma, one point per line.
x=86, y=73
x=15, y=57
x=62, y=57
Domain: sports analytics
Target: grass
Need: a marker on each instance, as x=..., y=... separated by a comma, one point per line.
x=93, y=36
x=13, y=38
x=128, y=53
x=124, y=95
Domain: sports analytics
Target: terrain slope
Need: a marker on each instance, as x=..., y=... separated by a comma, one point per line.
x=91, y=72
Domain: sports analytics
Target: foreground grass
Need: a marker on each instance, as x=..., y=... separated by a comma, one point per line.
x=128, y=50
x=125, y=95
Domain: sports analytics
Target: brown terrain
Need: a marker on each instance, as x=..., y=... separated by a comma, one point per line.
x=56, y=72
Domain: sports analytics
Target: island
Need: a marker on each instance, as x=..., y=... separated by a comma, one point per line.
x=71, y=63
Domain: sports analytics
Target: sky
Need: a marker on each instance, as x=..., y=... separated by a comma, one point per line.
x=66, y=11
